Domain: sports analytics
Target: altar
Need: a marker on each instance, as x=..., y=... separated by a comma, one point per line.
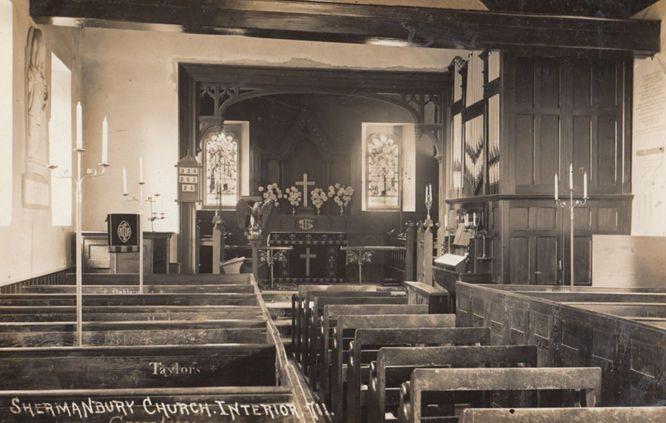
x=315, y=257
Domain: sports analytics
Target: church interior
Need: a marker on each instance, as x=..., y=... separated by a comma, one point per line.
x=332, y=210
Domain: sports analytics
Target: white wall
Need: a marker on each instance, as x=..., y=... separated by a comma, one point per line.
x=132, y=77
x=30, y=245
x=649, y=136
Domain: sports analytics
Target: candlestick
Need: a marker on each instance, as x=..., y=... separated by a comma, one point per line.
x=125, y=182
x=141, y=169
x=79, y=126
x=571, y=204
x=105, y=141
x=585, y=185
x=557, y=188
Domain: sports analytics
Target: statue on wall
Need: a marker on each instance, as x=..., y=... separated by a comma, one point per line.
x=36, y=179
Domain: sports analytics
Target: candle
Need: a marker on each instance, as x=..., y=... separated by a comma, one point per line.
x=570, y=177
x=124, y=181
x=446, y=221
x=585, y=185
x=105, y=141
x=466, y=219
x=79, y=126
x=557, y=188
x=141, y=169
x=474, y=218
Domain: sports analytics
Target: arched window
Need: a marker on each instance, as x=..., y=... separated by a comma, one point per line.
x=6, y=116
x=382, y=158
x=60, y=143
x=221, y=149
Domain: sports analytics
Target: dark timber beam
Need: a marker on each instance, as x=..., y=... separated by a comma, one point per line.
x=354, y=23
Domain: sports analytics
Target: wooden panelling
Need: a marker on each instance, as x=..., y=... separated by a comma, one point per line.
x=524, y=159
x=519, y=218
x=607, y=151
x=543, y=218
x=607, y=220
x=518, y=264
x=546, y=260
x=558, y=110
x=548, y=146
x=582, y=260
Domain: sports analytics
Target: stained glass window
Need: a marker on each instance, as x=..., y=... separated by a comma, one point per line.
x=221, y=149
x=383, y=171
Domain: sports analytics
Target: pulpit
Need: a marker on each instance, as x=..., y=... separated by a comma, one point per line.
x=98, y=259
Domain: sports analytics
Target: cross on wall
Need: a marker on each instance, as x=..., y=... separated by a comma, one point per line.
x=307, y=256
x=305, y=184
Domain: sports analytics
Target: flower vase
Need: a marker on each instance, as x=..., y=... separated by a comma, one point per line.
x=293, y=210
x=318, y=211
x=342, y=211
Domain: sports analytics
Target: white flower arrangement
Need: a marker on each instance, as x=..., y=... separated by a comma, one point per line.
x=318, y=198
x=341, y=194
x=272, y=192
x=293, y=195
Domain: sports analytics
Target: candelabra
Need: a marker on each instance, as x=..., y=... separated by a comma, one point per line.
x=140, y=200
x=572, y=204
x=78, y=182
x=154, y=215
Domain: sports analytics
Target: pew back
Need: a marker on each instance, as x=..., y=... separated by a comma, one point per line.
x=138, y=366
x=347, y=325
x=43, y=334
x=565, y=414
x=394, y=366
x=455, y=381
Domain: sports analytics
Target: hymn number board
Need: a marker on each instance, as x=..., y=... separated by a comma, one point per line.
x=189, y=179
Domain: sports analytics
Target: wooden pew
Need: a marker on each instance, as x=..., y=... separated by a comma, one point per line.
x=394, y=366
x=628, y=310
x=240, y=288
x=201, y=405
x=329, y=320
x=367, y=342
x=124, y=313
x=306, y=310
x=565, y=414
x=344, y=333
x=143, y=366
x=300, y=305
x=43, y=334
x=162, y=279
x=447, y=384
x=310, y=343
x=601, y=297
x=38, y=300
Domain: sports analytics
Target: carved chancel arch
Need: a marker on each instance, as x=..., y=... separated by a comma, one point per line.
x=207, y=91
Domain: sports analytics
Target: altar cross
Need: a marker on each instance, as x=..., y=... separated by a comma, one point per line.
x=307, y=256
x=305, y=184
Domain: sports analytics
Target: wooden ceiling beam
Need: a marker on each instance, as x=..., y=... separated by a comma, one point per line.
x=354, y=23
